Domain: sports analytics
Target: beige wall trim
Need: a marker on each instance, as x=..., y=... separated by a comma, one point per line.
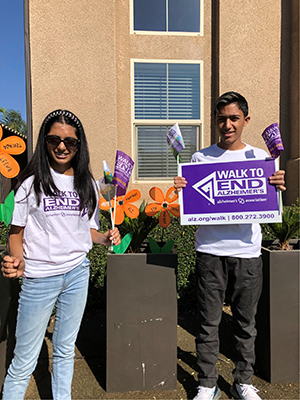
x=215, y=62
x=28, y=81
x=199, y=123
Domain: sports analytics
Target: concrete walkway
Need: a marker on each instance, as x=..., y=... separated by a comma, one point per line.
x=89, y=373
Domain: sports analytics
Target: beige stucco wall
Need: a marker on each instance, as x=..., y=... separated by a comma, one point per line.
x=73, y=66
x=250, y=60
x=80, y=60
x=155, y=47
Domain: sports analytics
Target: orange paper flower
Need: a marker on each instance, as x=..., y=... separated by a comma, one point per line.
x=163, y=205
x=11, y=145
x=123, y=205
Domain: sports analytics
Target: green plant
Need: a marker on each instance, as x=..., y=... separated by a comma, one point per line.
x=184, y=246
x=287, y=229
x=140, y=227
x=3, y=229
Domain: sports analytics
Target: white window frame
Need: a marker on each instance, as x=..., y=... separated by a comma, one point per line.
x=169, y=122
x=200, y=33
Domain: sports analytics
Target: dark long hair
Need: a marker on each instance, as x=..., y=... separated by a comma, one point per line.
x=39, y=165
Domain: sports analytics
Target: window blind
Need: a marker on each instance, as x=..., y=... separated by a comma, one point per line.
x=166, y=91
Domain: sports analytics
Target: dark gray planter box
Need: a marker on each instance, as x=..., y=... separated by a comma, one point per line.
x=141, y=322
x=277, y=344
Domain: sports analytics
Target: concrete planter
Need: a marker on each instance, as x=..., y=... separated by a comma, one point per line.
x=277, y=344
x=141, y=322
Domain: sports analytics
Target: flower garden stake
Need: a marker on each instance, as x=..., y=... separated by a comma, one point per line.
x=123, y=206
x=175, y=142
x=9, y=168
x=163, y=206
x=122, y=203
x=122, y=174
x=108, y=178
x=272, y=138
x=108, y=191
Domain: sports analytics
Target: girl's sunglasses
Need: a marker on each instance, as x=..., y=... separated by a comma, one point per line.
x=69, y=142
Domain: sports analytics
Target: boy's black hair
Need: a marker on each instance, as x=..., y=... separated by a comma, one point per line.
x=231, y=97
x=39, y=165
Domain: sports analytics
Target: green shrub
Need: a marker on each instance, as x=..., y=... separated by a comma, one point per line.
x=184, y=246
x=140, y=227
x=286, y=230
x=3, y=230
x=97, y=257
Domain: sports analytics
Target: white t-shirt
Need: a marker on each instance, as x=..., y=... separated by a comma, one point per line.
x=56, y=235
x=235, y=240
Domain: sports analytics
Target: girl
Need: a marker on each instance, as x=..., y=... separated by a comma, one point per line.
x=54, y=223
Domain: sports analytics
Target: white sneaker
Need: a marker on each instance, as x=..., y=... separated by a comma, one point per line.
x=245, y=392
x=205, y=393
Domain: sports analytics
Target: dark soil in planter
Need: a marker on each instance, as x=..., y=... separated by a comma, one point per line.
x=273, y=244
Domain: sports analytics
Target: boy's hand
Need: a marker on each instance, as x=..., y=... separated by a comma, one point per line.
x=179, y=183
x=277, y=179
x=12, y=267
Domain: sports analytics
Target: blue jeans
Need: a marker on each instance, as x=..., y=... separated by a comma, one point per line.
x=68, y=293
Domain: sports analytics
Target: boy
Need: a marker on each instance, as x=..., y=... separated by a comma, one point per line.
x=228, y=256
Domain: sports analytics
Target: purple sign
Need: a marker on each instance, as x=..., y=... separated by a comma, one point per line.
x=272, y=138
x=231, y=192
x=123, y=169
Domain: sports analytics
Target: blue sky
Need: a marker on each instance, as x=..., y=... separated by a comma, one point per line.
x=12, y=59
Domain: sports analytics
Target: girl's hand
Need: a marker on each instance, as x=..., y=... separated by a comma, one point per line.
x=113, y=235
x=12, y=267
x=107, y=237
x=179, y=183
x=277, y=179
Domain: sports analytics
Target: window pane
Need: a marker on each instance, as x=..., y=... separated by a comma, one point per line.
x=149, y=15
x=184, y=15
x=155, y=159
x=150, y=91
x=184, y=91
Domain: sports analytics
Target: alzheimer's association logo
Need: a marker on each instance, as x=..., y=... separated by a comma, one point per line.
x=232, y=183
x=206, y=187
